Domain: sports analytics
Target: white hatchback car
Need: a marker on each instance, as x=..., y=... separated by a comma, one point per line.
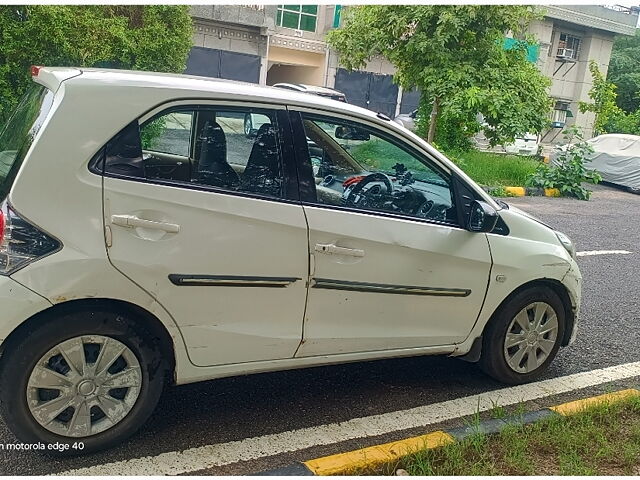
x=146, y=240
x=528, y=144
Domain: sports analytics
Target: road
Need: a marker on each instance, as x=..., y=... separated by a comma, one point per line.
x=238, y=408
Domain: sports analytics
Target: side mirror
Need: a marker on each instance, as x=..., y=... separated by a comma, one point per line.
x=482, y=218
x=351, y=133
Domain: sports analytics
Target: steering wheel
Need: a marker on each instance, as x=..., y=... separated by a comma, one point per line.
x=368, y=193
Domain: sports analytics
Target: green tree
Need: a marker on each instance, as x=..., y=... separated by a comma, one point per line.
x=603, y=96
x=454, y=55
x=624, y=71
x=610, y=118
x=138, y=37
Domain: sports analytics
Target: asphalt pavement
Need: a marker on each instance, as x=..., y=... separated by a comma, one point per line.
x=242, y=407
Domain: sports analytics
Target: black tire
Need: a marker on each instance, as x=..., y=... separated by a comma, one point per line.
x=493, y=361
x=249, y=131
x=22, y=354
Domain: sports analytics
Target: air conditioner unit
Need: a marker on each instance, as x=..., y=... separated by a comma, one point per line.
x=564, y=53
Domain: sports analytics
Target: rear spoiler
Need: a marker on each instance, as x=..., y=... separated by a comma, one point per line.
x=52, y=77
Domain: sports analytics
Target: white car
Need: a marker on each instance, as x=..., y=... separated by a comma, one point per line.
x=528, y=144
x=147, y=241
x=407, y=120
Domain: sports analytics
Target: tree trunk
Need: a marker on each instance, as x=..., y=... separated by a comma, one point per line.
x=433, y=119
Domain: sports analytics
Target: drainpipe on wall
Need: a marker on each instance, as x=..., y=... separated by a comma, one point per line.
x=264, y=66
x=399, y=101
x=325, y=81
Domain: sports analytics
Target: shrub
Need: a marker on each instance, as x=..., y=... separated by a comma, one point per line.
x=570, y=171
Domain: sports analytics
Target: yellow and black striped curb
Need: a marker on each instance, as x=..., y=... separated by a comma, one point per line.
x=371, y=457
x=526, y=191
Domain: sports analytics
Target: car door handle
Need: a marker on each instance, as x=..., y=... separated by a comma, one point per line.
x=131, y=221
x=332, y=249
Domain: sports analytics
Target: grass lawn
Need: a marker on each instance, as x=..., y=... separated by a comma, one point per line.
x=490, y=169
x=494, y=169
x=601, y=440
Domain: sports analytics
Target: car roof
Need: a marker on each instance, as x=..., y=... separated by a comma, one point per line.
x=616, y=144
x=52, y=77
x=623, y=136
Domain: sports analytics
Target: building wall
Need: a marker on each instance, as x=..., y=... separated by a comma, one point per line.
x=219, y=36
x=571, y=81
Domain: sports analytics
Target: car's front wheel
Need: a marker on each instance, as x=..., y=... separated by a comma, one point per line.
x=86, y=380
x=249, y=131
x=524, y=336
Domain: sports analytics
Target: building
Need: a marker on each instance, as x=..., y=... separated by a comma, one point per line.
x=569, y=37
x=267, y=44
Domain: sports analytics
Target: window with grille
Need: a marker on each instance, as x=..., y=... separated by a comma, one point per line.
x=568, y=46
x=299, y=17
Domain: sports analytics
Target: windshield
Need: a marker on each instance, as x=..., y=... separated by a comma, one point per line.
x=17, y=134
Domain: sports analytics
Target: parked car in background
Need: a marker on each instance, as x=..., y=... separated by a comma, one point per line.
x=527, y=144
x=617, y=158
x=179, y=250
x=407, y=120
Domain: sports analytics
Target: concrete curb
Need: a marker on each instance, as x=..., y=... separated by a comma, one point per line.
x=370, y=457
x=527, y=191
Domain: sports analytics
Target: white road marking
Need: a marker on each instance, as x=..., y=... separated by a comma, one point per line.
x=194, y=459
x=602, y=252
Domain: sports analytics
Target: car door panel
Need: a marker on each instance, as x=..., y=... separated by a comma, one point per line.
x=383, y=279
x=416, y=284
x=229, y=266
x=223, y=235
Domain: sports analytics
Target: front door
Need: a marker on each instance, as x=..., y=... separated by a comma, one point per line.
x=202, y=217
x=391, y=267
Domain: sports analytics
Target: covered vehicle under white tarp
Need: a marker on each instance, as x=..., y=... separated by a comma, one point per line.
x=617, y=158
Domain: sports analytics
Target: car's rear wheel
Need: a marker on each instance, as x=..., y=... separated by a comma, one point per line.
x=524, y=336
x=86, y=380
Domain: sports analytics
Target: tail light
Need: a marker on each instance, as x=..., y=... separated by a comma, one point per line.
x=21, y=242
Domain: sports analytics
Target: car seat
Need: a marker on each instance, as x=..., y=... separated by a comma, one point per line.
x=262, y=173
x=213, y=168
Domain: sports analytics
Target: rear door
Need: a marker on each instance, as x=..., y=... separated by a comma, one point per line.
x=207, y=221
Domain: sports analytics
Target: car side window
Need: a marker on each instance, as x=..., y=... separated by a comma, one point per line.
x=230, y=149
x=169, y=133
x=358, y=167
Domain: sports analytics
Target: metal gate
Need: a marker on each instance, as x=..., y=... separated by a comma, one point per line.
x=410, y=101
x=209, y=62
x=369, y=90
